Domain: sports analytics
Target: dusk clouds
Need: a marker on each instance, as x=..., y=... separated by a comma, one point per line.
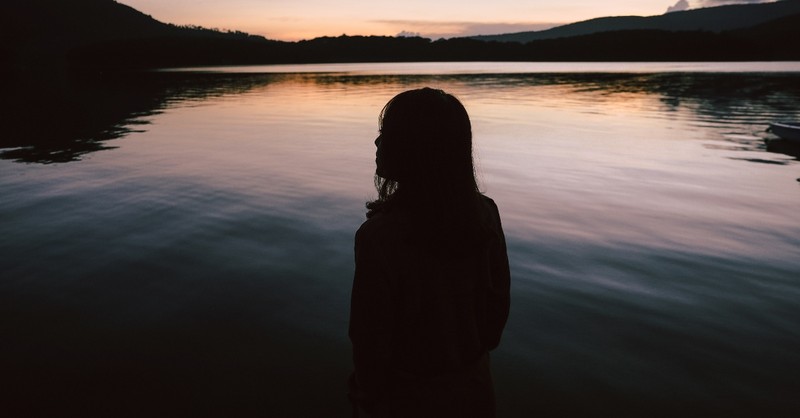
x=292, y=20
x=712, y=3
x=448, y=29
x=682, y=5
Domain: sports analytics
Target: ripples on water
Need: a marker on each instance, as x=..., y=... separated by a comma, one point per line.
x=204, y=263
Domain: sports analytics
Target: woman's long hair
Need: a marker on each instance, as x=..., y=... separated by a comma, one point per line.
x=425, y=166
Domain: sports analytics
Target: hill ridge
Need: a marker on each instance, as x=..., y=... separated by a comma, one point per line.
x=120, y=37
x=713, y=19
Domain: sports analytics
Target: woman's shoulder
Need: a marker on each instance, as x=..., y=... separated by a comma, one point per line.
x=382, y=226
x=488, y=201
x=492, y=215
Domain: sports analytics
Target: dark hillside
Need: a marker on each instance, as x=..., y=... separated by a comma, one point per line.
x=43, y=29
x=103, y=34
x=43, y=32
x=711, y=19
x=778, y=35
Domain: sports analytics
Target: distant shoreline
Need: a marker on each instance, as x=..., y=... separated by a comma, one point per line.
x=106, y=35
x=500, y=67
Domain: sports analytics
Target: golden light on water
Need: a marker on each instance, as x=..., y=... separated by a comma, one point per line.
x=651, y=235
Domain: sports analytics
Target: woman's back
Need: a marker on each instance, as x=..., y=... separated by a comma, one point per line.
x=423, y=319
x=431, y=288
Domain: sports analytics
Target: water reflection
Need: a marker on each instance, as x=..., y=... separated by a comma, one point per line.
x=207, y=261
x=65, y=117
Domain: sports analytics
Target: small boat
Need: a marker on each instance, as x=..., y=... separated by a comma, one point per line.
x=786, y=130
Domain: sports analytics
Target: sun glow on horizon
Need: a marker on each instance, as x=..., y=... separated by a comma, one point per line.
x=306, y=19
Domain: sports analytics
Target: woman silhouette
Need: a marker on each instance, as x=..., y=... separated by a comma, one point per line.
x=431, y=289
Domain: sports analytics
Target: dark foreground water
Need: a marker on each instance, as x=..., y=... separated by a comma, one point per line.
x=180, y=244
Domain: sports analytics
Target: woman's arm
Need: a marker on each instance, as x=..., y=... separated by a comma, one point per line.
x=499, y=295
x=371, y=319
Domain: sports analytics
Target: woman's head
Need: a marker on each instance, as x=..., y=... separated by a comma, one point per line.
x=424, y=146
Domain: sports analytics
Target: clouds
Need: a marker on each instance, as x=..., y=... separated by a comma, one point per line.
x=712, y=3
x=407, y=34
x=306, y=19
x=680, y=6
x=448, y=29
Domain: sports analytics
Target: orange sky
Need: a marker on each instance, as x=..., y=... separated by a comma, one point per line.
x=304, y=19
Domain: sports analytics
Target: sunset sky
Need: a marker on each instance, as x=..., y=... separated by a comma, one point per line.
x=292, y=20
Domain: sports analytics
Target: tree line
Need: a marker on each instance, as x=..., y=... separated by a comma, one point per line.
x=764, y=42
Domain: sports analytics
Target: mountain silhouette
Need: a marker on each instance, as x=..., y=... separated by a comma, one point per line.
x=43, y=32
x=68, y=63
x=39, y=30
x=41, y=35
x=713, y=19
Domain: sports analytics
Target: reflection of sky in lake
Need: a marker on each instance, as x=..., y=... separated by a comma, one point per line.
x=654, y=253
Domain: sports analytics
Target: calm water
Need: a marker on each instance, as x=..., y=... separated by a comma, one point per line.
x=198, y=261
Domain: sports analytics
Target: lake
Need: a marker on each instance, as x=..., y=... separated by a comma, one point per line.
x=180, y=242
